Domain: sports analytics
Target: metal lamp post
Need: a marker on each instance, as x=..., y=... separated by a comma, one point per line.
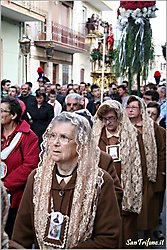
x=25, y=44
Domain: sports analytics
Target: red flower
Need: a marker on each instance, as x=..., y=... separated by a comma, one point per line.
x=40, y=70
x=111, y=39
x=133, y=5
x=157, y=73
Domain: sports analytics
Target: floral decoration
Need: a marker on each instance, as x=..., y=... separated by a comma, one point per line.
x=111, y=55
x=135, y=49
x=133, y=5
x=110, y=40
x=135, y=10
x=96, y=54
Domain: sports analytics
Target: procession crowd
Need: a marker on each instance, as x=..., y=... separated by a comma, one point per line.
x=77, y=172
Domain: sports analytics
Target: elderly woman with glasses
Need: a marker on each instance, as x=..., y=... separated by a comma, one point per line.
x=116, y=135
x=69, y=201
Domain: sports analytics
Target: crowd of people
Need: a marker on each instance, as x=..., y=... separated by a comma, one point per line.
x=78, y=173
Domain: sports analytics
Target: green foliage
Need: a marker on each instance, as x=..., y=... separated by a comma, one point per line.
x=138, y=67
x=111, y=54
x=96, y=55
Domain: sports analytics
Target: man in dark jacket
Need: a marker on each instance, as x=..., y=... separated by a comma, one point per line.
x=28, y=100
x=93, y=105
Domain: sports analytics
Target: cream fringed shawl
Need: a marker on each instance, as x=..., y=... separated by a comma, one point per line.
x=88, y=183
x=148, y=136
x=131, y=170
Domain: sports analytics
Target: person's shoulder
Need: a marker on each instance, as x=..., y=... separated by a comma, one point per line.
x=160, y=132
x=58, y=103
x=106, y=177
x=33, y=135
x=26, y=130
x=29, y=139
x=162, y=123
x=60, y=96
x=31, y=100
x=32, y=97
x=159, y=128
x=23, y=127
x=31, y=176
x=90, y=103
x=105, y=160
x=48, y=105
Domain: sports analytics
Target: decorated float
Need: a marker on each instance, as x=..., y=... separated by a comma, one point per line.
x=136, y=50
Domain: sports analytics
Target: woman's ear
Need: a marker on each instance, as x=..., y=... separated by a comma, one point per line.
x=14, y=116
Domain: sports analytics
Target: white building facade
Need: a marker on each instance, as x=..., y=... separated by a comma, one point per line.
x=57, y=33
x=58, y=40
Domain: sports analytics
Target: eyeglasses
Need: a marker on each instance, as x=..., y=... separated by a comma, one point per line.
x=72, y=104
x=128, y=107
x=109, y=119
x=62, y=138
x=4, y=111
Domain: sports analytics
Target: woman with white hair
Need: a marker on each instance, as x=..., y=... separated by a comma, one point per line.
x=69, y=202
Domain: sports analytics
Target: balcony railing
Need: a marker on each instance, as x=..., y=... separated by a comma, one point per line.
x=36, y=6
x=62, y=35
x=67, y=36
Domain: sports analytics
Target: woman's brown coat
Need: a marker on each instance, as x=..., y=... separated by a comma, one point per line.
x=149, y=216
x=129, y=219
x=106, y=229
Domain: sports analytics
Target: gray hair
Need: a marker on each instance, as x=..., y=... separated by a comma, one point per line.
x=73, y=96
x=82, y=126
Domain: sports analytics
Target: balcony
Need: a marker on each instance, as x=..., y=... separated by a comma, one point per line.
x=63, y=39
x=23, y=11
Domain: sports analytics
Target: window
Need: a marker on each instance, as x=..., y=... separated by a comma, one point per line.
x=65, y=74
x=163, y=66
x=82, y=74
x=54, y=73
x=84, y=14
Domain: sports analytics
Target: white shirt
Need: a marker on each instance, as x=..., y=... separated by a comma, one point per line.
x=57, y=107
x=116, y=134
